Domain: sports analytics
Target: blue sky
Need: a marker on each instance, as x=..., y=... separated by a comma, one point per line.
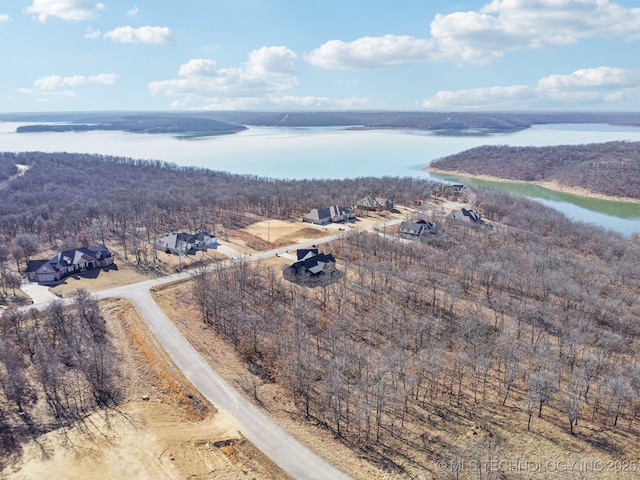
x=73, y=55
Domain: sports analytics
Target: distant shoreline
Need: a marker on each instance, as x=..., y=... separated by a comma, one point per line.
x=549, y=185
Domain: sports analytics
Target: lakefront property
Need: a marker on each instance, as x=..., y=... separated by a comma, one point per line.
x=67, y=263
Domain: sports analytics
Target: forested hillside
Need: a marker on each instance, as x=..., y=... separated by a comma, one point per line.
x=202, y=121
x=607, y=168
x=519, y=341
x=64, y=194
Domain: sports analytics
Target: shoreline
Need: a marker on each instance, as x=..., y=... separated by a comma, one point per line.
x=549, y=185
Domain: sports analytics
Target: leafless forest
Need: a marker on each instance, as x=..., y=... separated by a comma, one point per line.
x=66, y=200
x=56, y=366
x=606, y=168
x=534, y=318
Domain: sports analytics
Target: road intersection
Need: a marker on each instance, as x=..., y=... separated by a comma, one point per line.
x=283, y=449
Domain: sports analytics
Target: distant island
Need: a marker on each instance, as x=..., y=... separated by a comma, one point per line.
x=218, y=123
x=602, y=168
x=178, y=125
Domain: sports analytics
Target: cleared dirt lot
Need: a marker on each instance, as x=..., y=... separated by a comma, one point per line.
x=175, y=434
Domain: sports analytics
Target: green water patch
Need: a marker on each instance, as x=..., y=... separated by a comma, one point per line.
x=613, y=208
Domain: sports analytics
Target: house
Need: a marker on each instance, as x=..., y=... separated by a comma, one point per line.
x=335, y=214
x=182, y=243
x=68, y=263
x=454, y=191
x=466, y=217
x=310, y=265
x=419, y=228
x=375, y=204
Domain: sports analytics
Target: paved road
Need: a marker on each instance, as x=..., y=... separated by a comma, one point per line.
x=284, y=450
x=289, y=454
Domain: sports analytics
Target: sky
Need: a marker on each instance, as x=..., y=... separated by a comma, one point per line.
x=310, y=55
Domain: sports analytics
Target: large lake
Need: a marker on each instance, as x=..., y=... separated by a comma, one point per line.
x=297, y=153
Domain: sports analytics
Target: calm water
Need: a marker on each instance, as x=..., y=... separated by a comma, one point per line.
x=298, y=153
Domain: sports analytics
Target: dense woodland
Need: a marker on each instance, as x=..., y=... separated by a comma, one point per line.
x=607, y=168
x=56, y=366
x=535, y=318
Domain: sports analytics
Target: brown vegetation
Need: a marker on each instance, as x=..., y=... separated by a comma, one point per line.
x=603, y=168
x=160, y=428
x=520, y=342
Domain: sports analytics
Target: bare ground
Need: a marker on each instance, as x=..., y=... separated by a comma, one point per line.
x=175, y=434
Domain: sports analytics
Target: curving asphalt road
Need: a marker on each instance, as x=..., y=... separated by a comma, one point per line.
x=289, y=454
x=284, y=450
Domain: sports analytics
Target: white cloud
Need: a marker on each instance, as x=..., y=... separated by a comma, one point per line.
x=133, y=12
x=91, y=34
x=370, y=52
x=269, y=70
x=198, y=67
x=479, y=98
x=259, y=83
x=481, y=37
x=270, y=103
x=4, y=17
x=599, y=77
x=58, y=85
x=148, y=35
x=75, y=10
x=588, y=87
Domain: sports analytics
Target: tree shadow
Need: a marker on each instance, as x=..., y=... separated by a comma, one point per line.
x=319, y=280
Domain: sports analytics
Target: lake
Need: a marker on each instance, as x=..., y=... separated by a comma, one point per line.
x=304, y=153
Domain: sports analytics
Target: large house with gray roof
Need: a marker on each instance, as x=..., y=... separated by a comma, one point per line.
x=375, y=204
x=418, y=229
x=67, y=263
x=311, y=265
x=332, y=214
x=182, y=243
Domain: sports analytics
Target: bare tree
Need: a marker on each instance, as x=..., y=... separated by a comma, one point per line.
x=543, y=385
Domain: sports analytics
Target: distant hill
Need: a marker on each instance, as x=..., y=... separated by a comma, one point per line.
x=610, y=168
x=214, y=123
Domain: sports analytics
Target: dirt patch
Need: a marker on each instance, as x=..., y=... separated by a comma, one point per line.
x=278, y=232
x=173, y=433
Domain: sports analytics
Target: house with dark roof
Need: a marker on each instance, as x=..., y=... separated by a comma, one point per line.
x=332, y=214
x=464, y=216
x=183, y=243
x=418, y=229
x=311, y=265
x=68, y=263
x=374, y=204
